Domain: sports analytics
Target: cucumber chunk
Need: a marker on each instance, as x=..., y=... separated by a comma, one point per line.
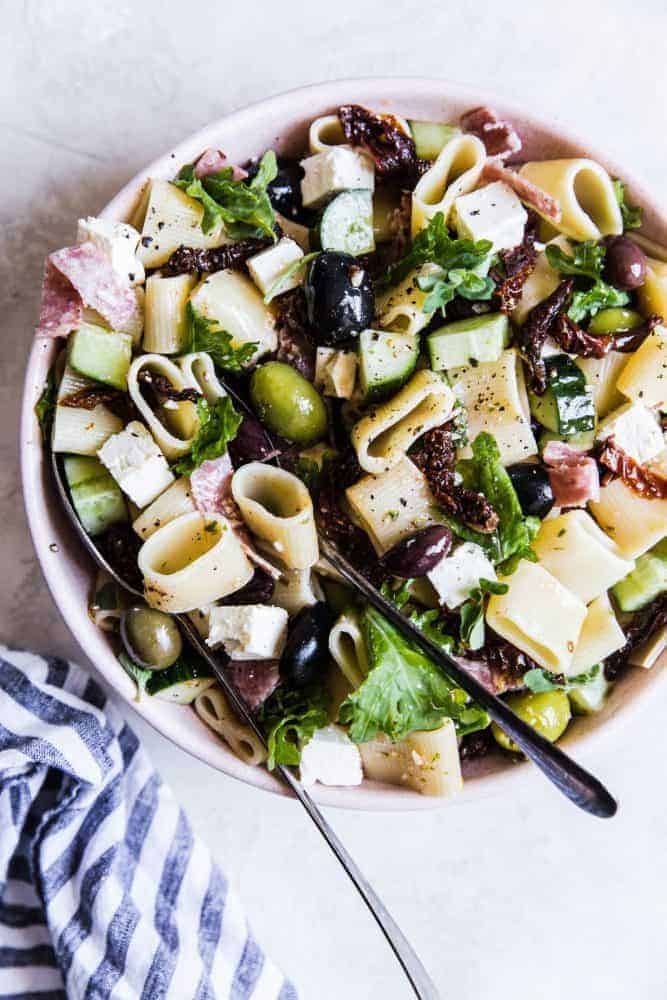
x=386, y=361
x=645, y=582
x=182, y=682
x=430, y=137
x=96, y=497
x=567, y=407
x=480, y=338
x=347, y=223
x=101, y=354
x=590, y=697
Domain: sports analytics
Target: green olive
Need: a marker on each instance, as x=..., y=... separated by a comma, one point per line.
x=548, y=713
x=151, y=638
x=615, y=320
x=287, y=403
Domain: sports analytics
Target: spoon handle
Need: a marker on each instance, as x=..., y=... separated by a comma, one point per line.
x=582, y=788
x=419, y=979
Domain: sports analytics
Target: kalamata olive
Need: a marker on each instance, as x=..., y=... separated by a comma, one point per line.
x=288, y=403
x=258, y=590
x=624, y=264
x=151, y=638
x=418, y=554
x=339, y=296
x=251, y=444
x=306, y=652
x=533, y=488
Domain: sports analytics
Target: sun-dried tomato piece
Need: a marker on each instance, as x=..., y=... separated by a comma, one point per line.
x=518, y=264
x=91, y=396
x=536, y=329
x=161, y=386
x=476, y=744
x=643, y=625
x=190, y=260
x=296, y=338
x=574, y=340
x=498, y=665
x=120, y=546
x=617, y=464
x=436, y=457
x=393, y=151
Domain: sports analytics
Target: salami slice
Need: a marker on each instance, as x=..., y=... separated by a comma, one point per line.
x=61, y=307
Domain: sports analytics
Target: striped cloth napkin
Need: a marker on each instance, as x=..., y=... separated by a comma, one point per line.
x=104, y=890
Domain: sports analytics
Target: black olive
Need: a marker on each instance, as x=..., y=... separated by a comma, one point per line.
x=533, y=488
x=285, y=190
x=258, y=590
x=306, y=652
x=418, y=554
x=624, y=264
x=339, y=296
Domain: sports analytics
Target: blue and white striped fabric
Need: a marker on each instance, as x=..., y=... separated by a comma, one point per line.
x=104, y=890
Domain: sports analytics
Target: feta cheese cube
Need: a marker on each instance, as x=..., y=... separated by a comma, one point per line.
x=491, y=213
x=336, y=372
x=635, y=430
x=339, y=169
x=457, y=575
x=118, y=242
x=267, y=266
x=248, y=631
x=331, y=758
x=136, y=463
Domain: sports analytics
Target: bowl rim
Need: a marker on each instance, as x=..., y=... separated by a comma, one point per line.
x=44, y=524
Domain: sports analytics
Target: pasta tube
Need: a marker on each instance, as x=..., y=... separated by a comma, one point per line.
x=277, y=508
x=456, y=171
x=191, y=561
x=585, y=192
x=382, y=438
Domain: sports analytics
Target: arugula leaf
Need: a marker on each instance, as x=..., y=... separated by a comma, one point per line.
x=485, y=473
x=434, y=245
x=278, y=285
x=631, y=215
x=398, y=595
x=586, y=259
x=600, y=296
x=443, y=286
x=586, y=262
x=204, y=334
x=45, y=407
x=472, y=613
x=432, y=625
x=218, y=424
x=404, y=691
x=539, y=680
x=243, y=207
x=289, y=718
x=139, y=675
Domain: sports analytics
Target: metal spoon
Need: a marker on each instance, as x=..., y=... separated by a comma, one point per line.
x=419, y=979
x=569, y=777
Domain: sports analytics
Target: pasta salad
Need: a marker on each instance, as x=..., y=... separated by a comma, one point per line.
x=410, y=340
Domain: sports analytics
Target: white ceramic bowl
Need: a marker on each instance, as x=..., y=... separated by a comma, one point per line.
x=281, y=123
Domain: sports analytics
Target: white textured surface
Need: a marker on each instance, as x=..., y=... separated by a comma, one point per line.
x=510, y=900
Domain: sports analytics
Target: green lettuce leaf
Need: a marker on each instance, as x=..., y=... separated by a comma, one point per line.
x=289, y=718
x=631, y=215
x=218, y=424
x=599, y=296
x=585, y=261
x=243, y=207
x=512, y=539
x=472, y=613
x=45, y=407
x=539, y=680
x=204, y=334
x=434, y=245
x=404, y=691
